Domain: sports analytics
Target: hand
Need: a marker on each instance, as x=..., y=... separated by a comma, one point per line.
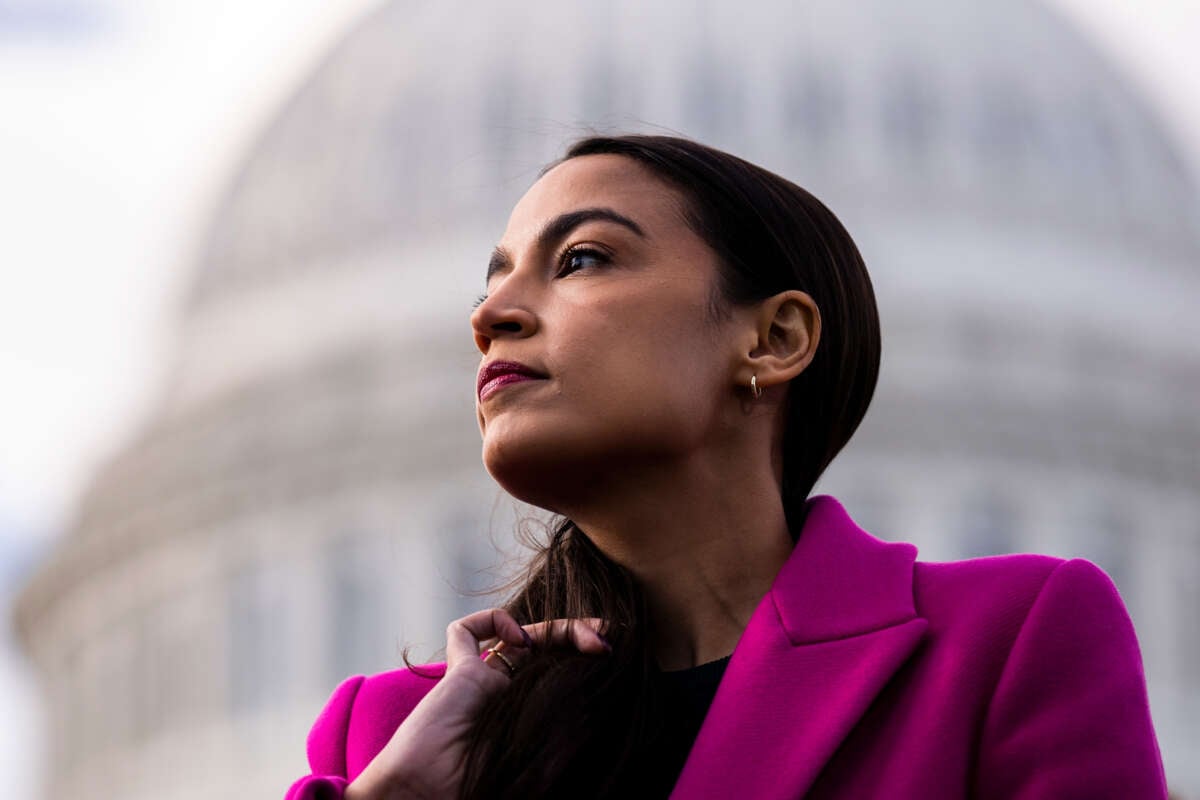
x=422, y=758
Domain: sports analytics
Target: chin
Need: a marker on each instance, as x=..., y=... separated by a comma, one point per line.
x=564, y=467
x=546, y=469
x=525, y=470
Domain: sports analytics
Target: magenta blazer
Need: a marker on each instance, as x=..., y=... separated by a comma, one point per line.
x=865, y=673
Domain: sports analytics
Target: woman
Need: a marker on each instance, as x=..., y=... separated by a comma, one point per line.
x=676, y=343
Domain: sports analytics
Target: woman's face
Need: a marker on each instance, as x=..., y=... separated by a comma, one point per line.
x=599, y=286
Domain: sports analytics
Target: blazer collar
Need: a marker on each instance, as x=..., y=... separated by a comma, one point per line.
x=841, y=581
x=837, y=622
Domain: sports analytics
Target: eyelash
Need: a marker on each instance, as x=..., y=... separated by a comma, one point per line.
x=579, y=250
x=574, y=250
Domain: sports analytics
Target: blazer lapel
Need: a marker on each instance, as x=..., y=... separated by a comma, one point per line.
x=837, y=623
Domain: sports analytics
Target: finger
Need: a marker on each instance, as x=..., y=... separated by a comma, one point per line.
x=583, y=633
x=527, y=640
x=463, y=635
x=504, y=662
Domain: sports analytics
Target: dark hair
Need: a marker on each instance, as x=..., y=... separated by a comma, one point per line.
x=574, y=725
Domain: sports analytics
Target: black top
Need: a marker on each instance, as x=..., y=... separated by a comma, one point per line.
x=686, y=695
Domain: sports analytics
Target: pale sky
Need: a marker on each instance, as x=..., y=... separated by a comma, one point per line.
x=120, y=121
x=115, y=136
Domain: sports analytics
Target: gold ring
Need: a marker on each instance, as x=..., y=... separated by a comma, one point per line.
x=492, y=651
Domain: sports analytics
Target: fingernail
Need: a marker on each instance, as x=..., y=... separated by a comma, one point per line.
x=604, y=641
x=528, y=640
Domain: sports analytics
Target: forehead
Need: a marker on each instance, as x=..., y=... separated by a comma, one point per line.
x=602, y=180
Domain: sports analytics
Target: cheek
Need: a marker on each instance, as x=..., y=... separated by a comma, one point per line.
x=642, y=397
x=635, y=349
x=656, y=370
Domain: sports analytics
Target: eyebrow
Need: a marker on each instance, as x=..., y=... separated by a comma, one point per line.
x=557, y=229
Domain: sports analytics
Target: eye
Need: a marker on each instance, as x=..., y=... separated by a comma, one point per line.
x=580, y=257
x=479, y=301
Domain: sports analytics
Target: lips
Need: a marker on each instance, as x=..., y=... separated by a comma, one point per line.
x=496, y=374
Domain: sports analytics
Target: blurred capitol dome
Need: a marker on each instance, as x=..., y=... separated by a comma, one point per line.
x=308, y=495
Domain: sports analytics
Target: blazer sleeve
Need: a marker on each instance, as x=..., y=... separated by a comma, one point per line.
x=1070, y=717
x=327, y=747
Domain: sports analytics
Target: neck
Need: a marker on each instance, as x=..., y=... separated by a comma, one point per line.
x=704, y=544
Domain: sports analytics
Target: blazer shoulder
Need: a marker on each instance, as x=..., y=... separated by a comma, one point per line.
x=1057, y=676
x=383, y=702
x=1070, y=713
x=992, y=596
x=991, y=605
x=362, y=714
x=1017, y=576
x=327, y=739
x=1010, y=579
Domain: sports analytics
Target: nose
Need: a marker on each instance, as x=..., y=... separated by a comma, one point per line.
x=498, y=316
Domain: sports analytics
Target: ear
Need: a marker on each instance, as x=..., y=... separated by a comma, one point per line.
x=788, y=328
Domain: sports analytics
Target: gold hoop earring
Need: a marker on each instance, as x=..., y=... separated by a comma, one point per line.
x=754, y=387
